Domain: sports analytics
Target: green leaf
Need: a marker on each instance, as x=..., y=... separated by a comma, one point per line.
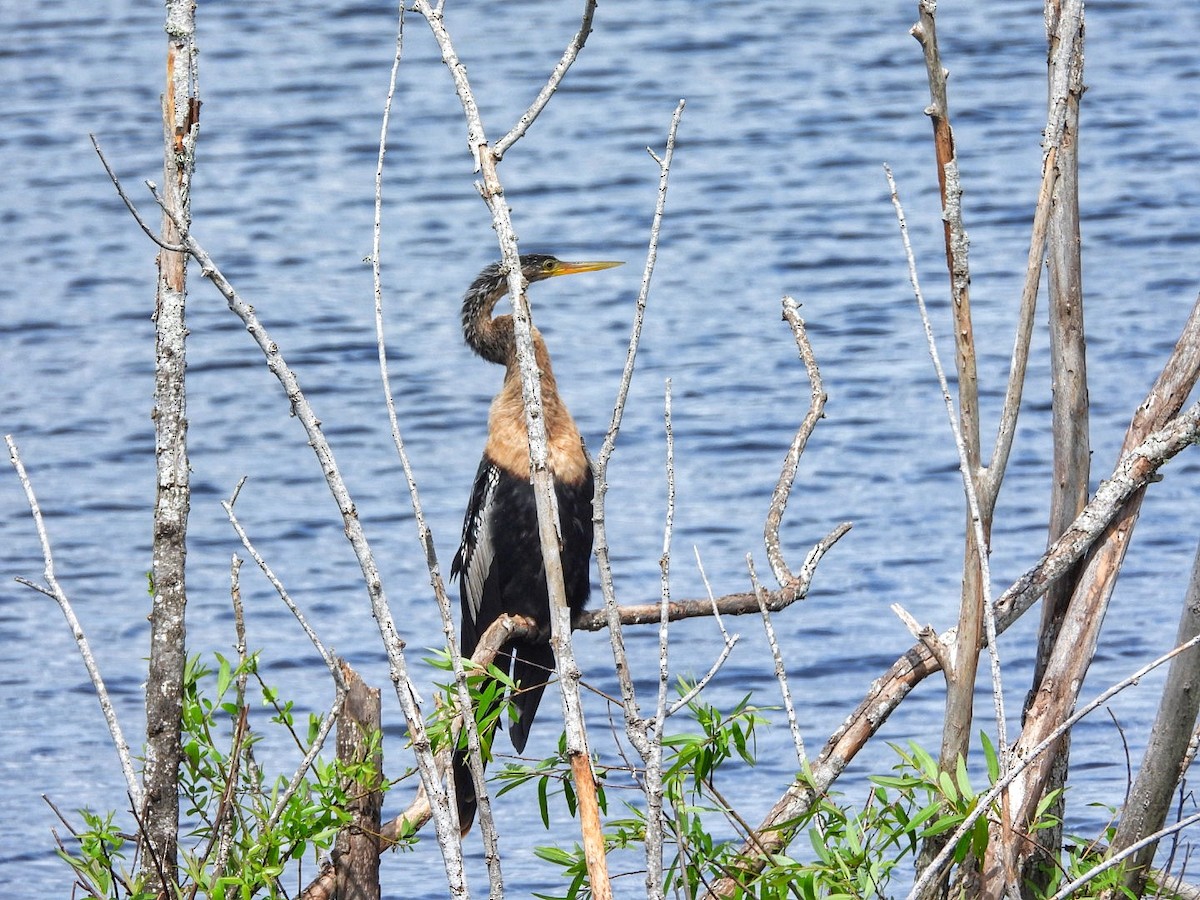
x=964, y=782
x=224, y=675
x=544, y=801
x=989, y=754
x=944, y=824
x=947, y=785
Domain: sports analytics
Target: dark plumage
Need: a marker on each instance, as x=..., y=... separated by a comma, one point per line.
x=499, y=565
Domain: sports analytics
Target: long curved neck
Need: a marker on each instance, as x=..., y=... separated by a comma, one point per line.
x=494, y=340
x=491, y=338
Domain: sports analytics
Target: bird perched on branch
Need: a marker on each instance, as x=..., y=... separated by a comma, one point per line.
x=499, y=565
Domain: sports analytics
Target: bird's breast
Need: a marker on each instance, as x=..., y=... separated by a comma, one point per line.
x=508, y=440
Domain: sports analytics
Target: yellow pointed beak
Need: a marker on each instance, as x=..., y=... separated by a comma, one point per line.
x=574, y=268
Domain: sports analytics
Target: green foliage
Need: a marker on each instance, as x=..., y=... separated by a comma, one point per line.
x=240, y=835
x=487, y=692
x=100, y=865
x=854, y=852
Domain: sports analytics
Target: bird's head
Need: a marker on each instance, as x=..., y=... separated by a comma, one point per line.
x=489, y=337
x=540, y=266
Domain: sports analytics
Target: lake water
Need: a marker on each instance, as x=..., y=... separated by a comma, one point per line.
x=777, y=188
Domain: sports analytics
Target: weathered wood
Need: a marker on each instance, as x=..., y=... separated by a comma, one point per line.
x=1150, y=797
x=1076, y=644
x=356, y=851
x=1069, y=396
x=168, y=652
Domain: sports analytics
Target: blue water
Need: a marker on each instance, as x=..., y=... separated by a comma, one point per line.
x=777, y=188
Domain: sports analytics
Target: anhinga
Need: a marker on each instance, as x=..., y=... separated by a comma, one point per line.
x=499, y=564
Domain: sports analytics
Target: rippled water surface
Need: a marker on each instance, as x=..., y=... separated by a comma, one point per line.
x=777, y=188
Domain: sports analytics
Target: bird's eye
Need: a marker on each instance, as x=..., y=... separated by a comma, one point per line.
x=548, y=266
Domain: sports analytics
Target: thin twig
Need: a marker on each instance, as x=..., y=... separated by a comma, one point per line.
x=225, y=833
x=547, y=91
x=334, y=669
x=695, y=690
x=634, y=726
x=54, y=589
x=1006, y=430
x=133, y=211
x=309, y=758
x=712, y=599
x=424, y=534
x=653, y=776
x=780, y=669
x=969, y=486
x=664, y=565
x=791, y=462
x=728, y=643
x=330, y=662
x=406, y=691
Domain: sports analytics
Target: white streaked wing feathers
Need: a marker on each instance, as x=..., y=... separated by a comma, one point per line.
x=479, y=563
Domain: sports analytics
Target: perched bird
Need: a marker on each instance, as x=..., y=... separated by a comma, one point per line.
x=499, y=564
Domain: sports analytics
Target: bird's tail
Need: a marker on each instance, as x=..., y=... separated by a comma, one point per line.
x=532, y=666
x=464, y=791
x=464, y=785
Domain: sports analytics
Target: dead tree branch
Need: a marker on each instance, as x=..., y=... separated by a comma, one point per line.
x=168, y=650
x=1076, y=643
x=54, y=590
x=1134, y=471
x=393, y=645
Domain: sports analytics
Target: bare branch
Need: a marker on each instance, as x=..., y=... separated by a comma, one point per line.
x=729, y=644
x=993, y=475
x=330, y=662
x=780, y=669
x=791, y=462
x=652, y=784
x=977, y=515
x=609, y=617
x=547, y=91
x=54, y=589
x=394, y=646
x=137, y=216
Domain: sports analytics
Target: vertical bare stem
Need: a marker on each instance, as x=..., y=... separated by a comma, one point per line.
x=960, y=683
x=1150, y=797
x=569, y=675
x=653, y=785
x=1068, y=372
x=634, y=727
x=168, y=651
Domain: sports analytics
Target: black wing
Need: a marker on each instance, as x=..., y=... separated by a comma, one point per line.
x=473, y=563
x=500, y=571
